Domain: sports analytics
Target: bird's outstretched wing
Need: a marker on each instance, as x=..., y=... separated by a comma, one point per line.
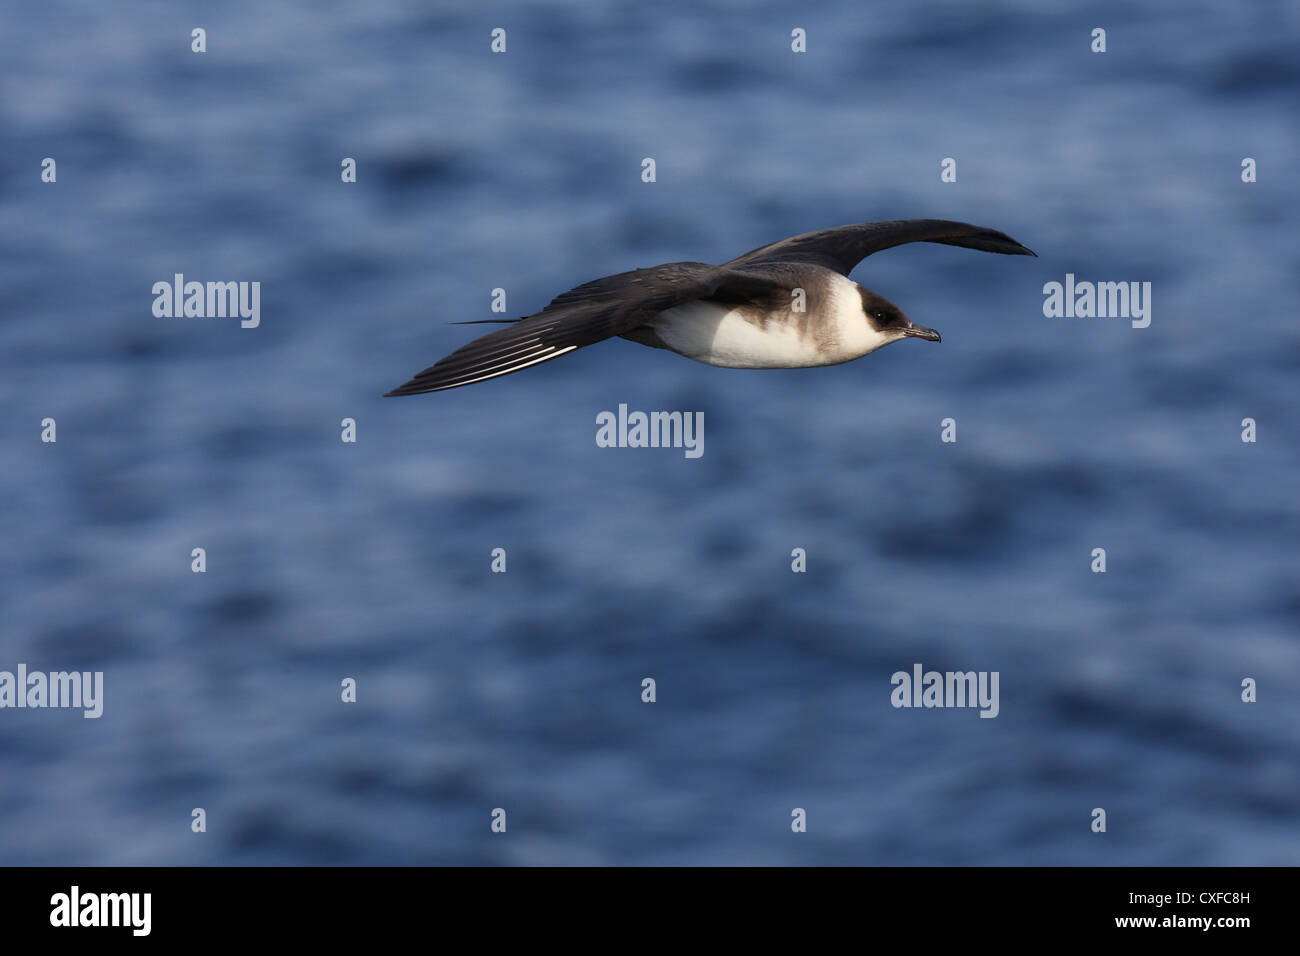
x=590, y=313
x=844, y=247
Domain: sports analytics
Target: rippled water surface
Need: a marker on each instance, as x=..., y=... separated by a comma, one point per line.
x=522, y=690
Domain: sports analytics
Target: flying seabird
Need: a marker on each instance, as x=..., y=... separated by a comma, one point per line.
x=789, y=304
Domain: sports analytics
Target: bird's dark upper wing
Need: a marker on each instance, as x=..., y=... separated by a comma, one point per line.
x=844, y=247
x=590, y=313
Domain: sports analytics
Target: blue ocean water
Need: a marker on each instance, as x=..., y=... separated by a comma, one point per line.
x=522, y=690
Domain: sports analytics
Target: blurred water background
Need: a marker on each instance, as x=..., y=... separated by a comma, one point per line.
x=522, y=690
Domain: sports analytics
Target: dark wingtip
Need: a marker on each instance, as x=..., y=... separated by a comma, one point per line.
x=987, y=240
x=1009, y=246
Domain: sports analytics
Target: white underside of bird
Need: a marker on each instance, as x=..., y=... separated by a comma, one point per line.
x=738, y=337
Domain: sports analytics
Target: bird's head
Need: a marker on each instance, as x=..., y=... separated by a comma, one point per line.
x=888, y=320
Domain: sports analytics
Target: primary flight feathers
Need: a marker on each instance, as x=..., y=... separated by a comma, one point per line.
x=740, y=315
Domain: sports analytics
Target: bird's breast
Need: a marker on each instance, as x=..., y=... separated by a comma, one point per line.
x=744, y=336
